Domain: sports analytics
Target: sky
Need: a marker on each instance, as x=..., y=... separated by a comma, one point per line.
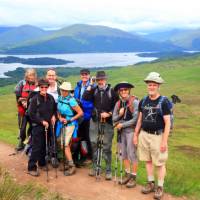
x=130, y=15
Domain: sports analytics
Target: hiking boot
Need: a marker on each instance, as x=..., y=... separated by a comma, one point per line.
x=148, y=188
x=20, y=146
x=92, y=172
x=108, y=176
x=33, y=173
x=70, y=171
x=158, y=193
x=125, y=179
x=132, y=181
x=61, y=166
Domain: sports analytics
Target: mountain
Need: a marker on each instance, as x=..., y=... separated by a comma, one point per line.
x=79, y=38
x=18, y=35
x=5, y=28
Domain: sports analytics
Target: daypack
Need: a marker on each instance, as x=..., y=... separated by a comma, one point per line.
x=170, y=106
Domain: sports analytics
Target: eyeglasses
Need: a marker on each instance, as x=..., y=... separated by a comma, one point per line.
x=43, y=87
x=123, y=89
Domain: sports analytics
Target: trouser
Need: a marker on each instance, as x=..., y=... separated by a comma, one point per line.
x=22, y=123
x=107, y=143
x=38, y=148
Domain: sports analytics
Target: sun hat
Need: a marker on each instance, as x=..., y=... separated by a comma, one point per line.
x=154, y=77
x=66, y=86
x=123, y=84
x=84, y=71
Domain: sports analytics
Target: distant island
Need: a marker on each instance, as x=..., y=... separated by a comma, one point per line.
x=34, y=61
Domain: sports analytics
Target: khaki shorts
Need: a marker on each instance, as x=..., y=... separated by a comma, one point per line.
x=68, y=131
x=149, y=149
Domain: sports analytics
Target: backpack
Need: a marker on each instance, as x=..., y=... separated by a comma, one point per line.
x=169, y=104
x=129, y=104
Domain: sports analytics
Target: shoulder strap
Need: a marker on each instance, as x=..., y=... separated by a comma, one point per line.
x=143, y=101
x=130, y=103
x=160, y=103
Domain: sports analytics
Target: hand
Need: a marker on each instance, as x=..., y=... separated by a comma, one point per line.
x=105, y=115
x=53, y=120
x=121, y=111
x=24, y=104
x=63, y=120
x=89, y=88
x=135, y=139
x=45, y=124
x=163, y=146
x=119, y=126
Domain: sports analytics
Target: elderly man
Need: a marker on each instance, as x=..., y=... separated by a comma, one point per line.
x=153, y=128
x=104, y=99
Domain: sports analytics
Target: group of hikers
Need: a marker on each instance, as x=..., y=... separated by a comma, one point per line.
x=79, y=123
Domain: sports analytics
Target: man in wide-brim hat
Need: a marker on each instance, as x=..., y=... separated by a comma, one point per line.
x=125, y=118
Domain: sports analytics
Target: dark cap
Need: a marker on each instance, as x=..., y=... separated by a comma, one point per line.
x=84, y=71
x=123, y=84
x=43, y=81
x=101, y=75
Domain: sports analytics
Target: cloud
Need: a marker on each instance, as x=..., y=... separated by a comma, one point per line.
x=125, y=14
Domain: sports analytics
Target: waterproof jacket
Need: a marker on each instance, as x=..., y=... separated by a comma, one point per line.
x=22, y=91
x=87, y=105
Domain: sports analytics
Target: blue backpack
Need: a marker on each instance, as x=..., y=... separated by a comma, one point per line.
x=170, y=106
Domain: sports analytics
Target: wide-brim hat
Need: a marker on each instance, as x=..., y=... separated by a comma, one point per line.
x=154, y=77
x=43, y=81
x=66, y=86
x=101, y=75
x=123, y=84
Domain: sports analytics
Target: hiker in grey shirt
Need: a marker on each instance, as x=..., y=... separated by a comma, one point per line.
x=125, y=118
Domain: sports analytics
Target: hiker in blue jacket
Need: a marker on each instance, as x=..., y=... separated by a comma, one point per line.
x=68, y=113
x=87, y=106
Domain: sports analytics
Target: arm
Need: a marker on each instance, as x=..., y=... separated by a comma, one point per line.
x=137, y=129
x=79, y=112
x=115, y=116
x=88, y=94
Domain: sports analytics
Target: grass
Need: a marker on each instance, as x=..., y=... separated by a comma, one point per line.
x=182, y=79
x=10, y=190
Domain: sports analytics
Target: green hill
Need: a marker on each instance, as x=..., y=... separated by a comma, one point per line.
x=182, y=78
x=77, y=38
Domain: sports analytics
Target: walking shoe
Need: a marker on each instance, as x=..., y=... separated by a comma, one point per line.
x=108, y=176
x=70, y=171
x=20, y=146
x=92, y=172
x=33, y=173
x=148, y=188
x=158, y=193
x=125, y=179
x=132, y=181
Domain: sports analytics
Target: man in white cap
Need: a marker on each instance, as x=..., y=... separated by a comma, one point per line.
x=153, y=129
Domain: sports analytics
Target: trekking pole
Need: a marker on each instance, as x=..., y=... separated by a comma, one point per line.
x=63, y=143
x=100, y=147
x=116, y=162
x=46, y=157
x=54, y=146
x=120, y=155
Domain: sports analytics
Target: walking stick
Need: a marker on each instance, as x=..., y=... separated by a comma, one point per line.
x=54, y=147
x=120, y=154
x=100, y=147
x=47, y=151
x=63, y=145
x=116, y=160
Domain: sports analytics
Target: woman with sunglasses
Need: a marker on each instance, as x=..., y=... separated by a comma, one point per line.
x=42, y=111
x=68, y=113
x=125, y=118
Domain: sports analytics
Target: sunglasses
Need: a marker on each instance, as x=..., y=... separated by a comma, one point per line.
x=123, y=89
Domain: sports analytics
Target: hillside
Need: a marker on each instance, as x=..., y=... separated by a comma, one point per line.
x=77, y=38
x=182, y=78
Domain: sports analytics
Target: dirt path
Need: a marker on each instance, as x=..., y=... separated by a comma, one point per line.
x=77, y=187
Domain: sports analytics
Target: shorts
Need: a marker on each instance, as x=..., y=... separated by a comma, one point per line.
x=149, y=149
x=127, y=146
x=68, y=132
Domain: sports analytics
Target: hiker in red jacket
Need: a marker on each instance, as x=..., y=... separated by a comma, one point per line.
x=22, y=90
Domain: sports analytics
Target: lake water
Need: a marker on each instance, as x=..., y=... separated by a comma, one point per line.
x=87, y=60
